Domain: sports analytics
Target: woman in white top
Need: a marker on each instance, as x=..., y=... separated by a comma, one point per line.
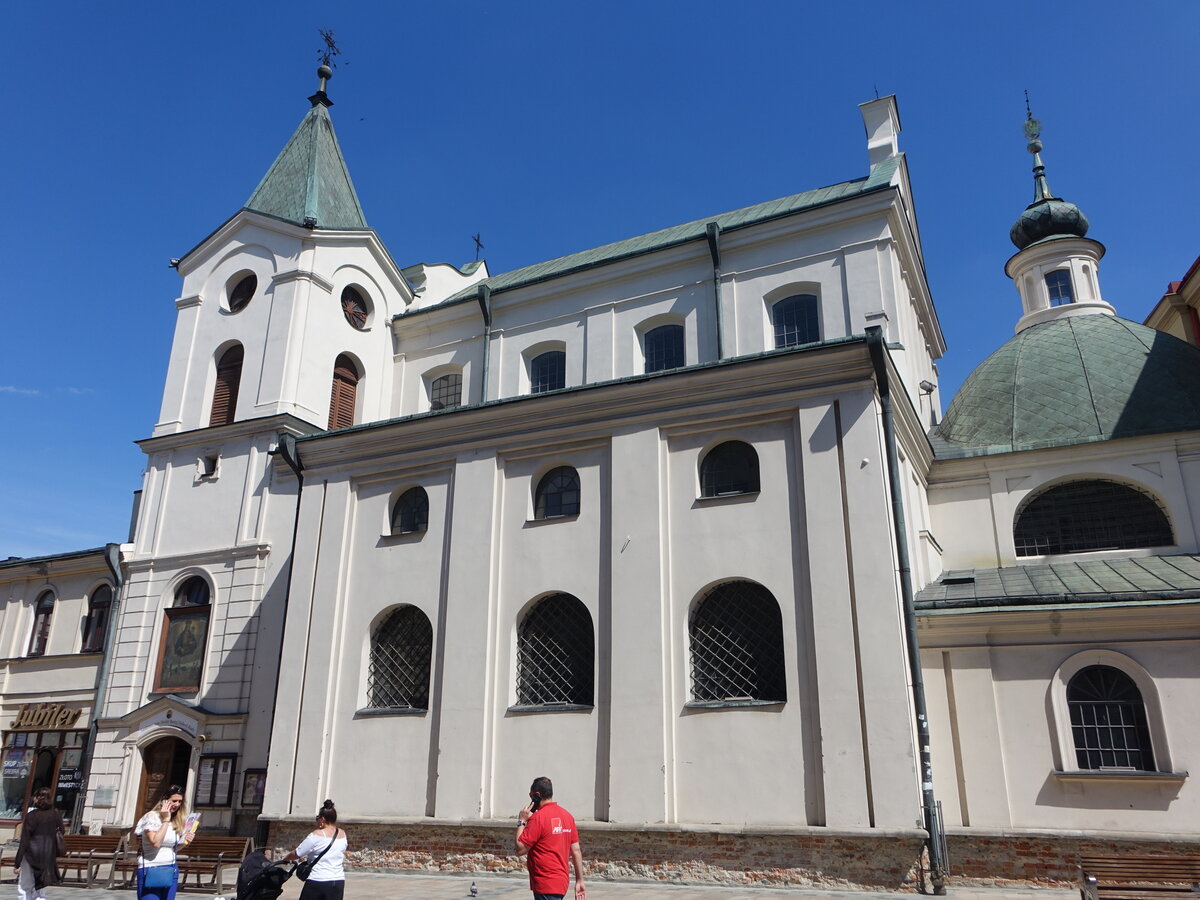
x=160, y=831
x=328, y=878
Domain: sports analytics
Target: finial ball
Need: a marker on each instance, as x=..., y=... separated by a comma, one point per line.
x=324, y=72
x=1034, y=146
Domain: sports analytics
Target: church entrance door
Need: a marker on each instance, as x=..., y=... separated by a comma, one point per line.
x=165, y=762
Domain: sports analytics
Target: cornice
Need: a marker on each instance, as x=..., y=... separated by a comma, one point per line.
x=206, y=437
x=304, y=275
x=1067, y=623
x=143, y=564
x=188, y=302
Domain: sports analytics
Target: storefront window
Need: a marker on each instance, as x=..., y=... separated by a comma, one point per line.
x=35, y=759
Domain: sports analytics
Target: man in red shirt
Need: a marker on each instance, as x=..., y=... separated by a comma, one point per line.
x=546, y=835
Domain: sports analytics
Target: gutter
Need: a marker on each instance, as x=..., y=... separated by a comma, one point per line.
x=484, y=296
x=712, y=231
x=933, y=824
x=112, y=559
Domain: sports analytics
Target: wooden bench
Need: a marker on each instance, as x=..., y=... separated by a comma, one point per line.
x=208, y=857
x=1138, y=877
x=85, y=853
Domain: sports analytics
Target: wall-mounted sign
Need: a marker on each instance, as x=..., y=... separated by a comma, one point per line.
x=45, y=717
x=173, y=719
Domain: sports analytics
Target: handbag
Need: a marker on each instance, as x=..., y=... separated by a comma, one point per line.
x=160, y=876
x=305, y=867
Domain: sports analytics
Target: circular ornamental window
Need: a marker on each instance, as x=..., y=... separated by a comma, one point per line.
x=243, y=292
x=355, y=308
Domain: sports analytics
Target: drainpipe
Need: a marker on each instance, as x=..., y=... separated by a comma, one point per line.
x=286, y=450
x=112, y=559
x=933, y=824
x=713, y=232
x=484, y=297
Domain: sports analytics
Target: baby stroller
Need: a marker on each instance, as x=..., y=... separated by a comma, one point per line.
x=261, y=879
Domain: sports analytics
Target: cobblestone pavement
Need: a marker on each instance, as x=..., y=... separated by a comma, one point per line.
x=422, y=886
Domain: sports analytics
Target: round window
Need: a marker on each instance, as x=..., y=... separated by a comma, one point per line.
x=354, y=308
x=243, y=292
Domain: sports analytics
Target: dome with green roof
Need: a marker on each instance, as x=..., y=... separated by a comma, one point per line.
x=1073, y=380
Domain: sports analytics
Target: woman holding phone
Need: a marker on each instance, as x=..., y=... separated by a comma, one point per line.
x=162, y=830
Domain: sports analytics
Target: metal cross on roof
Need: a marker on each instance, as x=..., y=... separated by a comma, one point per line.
x=478, y=245
x=330, y=50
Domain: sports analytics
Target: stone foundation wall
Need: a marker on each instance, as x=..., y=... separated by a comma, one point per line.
x=655, y=853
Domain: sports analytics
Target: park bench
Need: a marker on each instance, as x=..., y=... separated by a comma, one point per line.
x=1138, y=877
x=85, y=853
x=206, y=859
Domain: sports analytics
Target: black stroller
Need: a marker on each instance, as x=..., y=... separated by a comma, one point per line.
x=261, y=879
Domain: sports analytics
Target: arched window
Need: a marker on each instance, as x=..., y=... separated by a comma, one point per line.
x=557, y=494
x=795, y=320
x=548, y=372
x=729, y=468
x=1108, y=721
x=411, y=512
x=225, y=394
x=43, y=612
x=1090, y=515
x=664, y=348
x=1058, y=286
x=555, y=654
x=401, y=652
x=736, y=634
x=345, y=389
x=95, y=624
x=445, y=391
x=184, y=638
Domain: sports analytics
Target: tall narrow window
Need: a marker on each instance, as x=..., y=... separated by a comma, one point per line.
x=401, y=652
x=1058, y=285
x=557, y=494
x=795, y=320
x=664, y=348
x=184, y=638
x=411, y=512
x=1080, y=516
x=548, y=372
x=736, y=633
x=1108, y=721
x=229, y=376
x=43, y=612
x=556, y=654
x=729, y=468
x=95, y=626
x=345, y=390
x=445, y=391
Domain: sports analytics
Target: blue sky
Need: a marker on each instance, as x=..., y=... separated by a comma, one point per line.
x=134, y=129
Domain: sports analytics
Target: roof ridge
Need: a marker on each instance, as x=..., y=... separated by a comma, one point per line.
x=1086, y=380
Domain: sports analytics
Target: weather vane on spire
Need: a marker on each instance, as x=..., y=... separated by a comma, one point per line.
x=330, y=50
x=1033, y=128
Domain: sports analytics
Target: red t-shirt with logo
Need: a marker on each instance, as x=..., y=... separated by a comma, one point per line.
x=549, y=836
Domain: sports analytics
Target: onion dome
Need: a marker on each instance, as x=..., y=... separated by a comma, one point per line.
x=1047, y=216
x=1069, y=381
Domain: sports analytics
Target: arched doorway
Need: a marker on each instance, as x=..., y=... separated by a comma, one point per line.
x=164, y=762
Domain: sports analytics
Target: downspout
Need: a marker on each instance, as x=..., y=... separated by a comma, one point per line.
x=933, y=824
x=112, y=559
x=286, y=450
x=484, y=297
x=713, y=232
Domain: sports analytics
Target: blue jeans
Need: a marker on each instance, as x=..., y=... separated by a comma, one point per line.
x=167, y=893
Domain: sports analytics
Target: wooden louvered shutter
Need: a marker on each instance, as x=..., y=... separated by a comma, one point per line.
x=229, y=376
x=345, y=387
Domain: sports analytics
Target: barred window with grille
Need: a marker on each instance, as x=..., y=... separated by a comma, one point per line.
x=796, y=321
x=557, y=494
x=1108, y=720
x=736, y=634
x=445, y=391
x=411, y=512
x=1090, y=515
x=555, y=654
x=401, y=652
x=664, y=348
x=548, y=372
x=729, y=468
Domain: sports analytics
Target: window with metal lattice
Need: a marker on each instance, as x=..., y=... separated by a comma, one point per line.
x=411, y=512
x=664, y=348
x=736, y=636
x=401, y=653
x=729, y=468
x=1081, y=516
x=43, y=612
x=556, y=654
x=345, y=390
x=796, y=320
x=445, y=391
x=548, y=372
x=557, y=494
x=225, y=394
x=95, y=624
x=1108, y=721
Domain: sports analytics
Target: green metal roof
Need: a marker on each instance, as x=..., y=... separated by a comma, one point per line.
x=1072, y=381
x=1128, y=580
x=309, y=179
x=49, y=558
x=880, y=177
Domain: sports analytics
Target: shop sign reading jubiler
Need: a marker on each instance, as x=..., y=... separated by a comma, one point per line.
x=45, y=717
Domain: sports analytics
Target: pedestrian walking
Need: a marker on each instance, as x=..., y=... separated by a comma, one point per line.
x=546, y=837
x=41, y=845
x=163, y=830
x=323, y=852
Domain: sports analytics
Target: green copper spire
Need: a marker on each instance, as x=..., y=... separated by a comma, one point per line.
x=308, y=183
